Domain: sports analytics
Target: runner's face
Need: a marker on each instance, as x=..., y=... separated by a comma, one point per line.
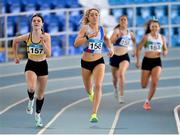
x=154, y=27
x=37, y=22
x=123, y=21
x=93, y=17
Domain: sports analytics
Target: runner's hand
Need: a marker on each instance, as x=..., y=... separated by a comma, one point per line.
x=17, y=60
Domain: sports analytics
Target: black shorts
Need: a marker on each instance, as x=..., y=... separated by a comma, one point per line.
x=92, y=64
x=40, y=68
x=115, y=60
x=150, y=63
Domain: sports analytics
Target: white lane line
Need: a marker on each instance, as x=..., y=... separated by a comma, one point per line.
x=77, y=77
x=50, y=70
x=49, y=59
x=177, y=117
x=69, y=67
x=83, y=99
x=50, y=80
x=58, y=114
x=81, y=86
x=11, y=86
x=12, y=74
x=70, y=105
x=62, y=110
x=72, y=57
x=111, y=132
x=13, y=105
x=49, y=92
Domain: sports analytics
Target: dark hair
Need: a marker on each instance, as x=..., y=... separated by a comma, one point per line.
x=120, y=18
x=38, y=15
x=154, y=19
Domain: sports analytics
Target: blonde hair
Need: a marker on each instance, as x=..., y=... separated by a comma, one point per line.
x=85, y=19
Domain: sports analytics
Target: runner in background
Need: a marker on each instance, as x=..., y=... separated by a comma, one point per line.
x=154, y=44
x=121, y=39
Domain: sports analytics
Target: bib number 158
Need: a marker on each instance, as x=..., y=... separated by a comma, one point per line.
x=95, y=46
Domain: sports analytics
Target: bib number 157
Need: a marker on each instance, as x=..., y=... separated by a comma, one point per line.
x=36, y=50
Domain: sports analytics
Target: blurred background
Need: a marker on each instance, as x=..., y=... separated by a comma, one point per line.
x=62, y=21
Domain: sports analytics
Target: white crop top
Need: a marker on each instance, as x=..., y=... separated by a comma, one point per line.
x=94, y=44
x=153, y=44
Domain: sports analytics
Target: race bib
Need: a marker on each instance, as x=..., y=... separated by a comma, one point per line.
x=124, y=42
x=155, y=46
x=95, y=44
x=36, y=49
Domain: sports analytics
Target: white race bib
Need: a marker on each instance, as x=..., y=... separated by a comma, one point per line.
x=95, y=45
x=36, y=49
x=155, y=47
x=124, y=42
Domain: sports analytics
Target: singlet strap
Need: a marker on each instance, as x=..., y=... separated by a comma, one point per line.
x=29, y=37
x=102, y=32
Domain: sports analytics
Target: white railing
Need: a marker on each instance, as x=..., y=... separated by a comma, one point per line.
x=67, y=32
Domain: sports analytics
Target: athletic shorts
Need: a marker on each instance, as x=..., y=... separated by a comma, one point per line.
x=116, y=60
x=92, y=64
x=40, y=68
x=150, y=63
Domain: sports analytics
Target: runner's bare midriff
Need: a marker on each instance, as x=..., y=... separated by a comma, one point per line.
x=91, y=56
x=37, y=58
x=120, y=50
x=152, y=54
